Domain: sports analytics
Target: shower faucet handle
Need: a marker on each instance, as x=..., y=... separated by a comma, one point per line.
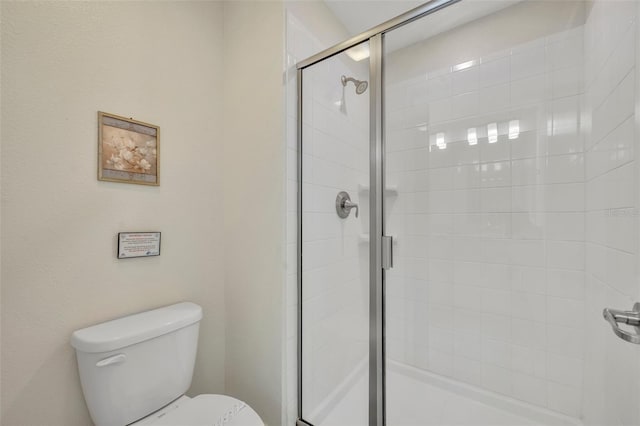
x=349, y=205
x=344, y=205
x=630, y=318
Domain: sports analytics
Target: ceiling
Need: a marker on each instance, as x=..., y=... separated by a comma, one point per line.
x=360, y=15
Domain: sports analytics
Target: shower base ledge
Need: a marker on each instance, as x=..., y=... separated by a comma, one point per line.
x=419, y=397
x=533, y=414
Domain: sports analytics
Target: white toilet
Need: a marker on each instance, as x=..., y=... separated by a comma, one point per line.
x=135, y=371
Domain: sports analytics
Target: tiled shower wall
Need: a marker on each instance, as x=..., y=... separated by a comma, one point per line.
x=612, y=108
x=488, y=286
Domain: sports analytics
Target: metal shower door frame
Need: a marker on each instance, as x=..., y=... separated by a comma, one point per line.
x=375, y=36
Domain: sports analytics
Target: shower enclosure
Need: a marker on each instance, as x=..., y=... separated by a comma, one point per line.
x=468, y=218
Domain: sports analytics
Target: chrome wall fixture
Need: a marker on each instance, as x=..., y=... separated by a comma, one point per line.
x=631, y=318
x=361, y=85
x=344, y=205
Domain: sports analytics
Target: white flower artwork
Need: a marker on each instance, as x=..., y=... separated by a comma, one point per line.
x=126, y=154
x=128, y=150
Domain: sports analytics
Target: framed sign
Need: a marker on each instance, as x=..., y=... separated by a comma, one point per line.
x=128, y=150
x=138, y=244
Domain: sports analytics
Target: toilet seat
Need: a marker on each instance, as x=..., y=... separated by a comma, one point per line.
x=210, y=410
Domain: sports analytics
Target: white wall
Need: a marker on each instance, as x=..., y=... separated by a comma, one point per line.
x=254, y=171
x=315, y=29
x=62, y=62
x=612, y=128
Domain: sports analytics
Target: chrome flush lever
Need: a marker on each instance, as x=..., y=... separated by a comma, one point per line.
x=344, y=205
x=631, y=318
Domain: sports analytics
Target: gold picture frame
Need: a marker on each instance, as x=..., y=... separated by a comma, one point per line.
x=128, y=150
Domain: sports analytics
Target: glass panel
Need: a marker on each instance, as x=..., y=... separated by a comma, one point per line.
x=512, y=195
x=335, y=279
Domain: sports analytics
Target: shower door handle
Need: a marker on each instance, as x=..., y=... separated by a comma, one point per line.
x=632, y=318
x=387, y=252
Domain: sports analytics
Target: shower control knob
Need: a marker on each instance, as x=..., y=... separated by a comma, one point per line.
x=344, y=205
x=630, y=318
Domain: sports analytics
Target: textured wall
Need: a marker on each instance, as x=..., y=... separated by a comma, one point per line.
x=254, y=167
x=159, y=62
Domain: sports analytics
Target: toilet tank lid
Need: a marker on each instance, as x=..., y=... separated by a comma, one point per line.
x=132, y=329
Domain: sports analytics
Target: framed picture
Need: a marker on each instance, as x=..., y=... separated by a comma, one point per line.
x=128, y=150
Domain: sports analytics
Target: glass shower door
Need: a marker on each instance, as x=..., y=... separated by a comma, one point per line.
x=487, y=126
x=335, y=240
x=507, y=182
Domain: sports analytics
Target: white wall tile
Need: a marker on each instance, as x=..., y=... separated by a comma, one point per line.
x=495, y=98
x=496, y=302
x=529, y=279
x=497, y=379
x=528, y=62
x=527, y=252
x=528, y=361
x=441, y=363
x=468, y=371
x=565, y=52
x=564, y=370
x=564, y=399
x=496, y=326
x=529, y=90
x=465, y=105
x=466, y=80
x=567, y=341
x=565, y=283
x=530, y=389
x=529, y=306
x=566, y=254
x=495, y=72
x=566, y=312
x=528, y=333
x=528, y=225
x=439, y=87
x=496, y=353
x=567, y=82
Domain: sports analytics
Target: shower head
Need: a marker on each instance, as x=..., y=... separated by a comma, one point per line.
x=361, y=85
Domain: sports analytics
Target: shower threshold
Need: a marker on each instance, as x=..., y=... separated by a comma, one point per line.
x=421, y=398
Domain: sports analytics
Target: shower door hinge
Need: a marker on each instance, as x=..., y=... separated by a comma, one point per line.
x=387, y=252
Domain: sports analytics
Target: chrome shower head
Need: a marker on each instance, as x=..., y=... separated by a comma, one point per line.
x=361, y=85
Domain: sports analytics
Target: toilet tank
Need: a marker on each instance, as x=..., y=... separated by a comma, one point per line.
x=132, y=366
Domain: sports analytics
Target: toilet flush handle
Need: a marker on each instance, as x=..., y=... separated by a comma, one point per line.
x=115, y=359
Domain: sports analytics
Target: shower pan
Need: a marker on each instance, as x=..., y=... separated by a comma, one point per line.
x=468, y=233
